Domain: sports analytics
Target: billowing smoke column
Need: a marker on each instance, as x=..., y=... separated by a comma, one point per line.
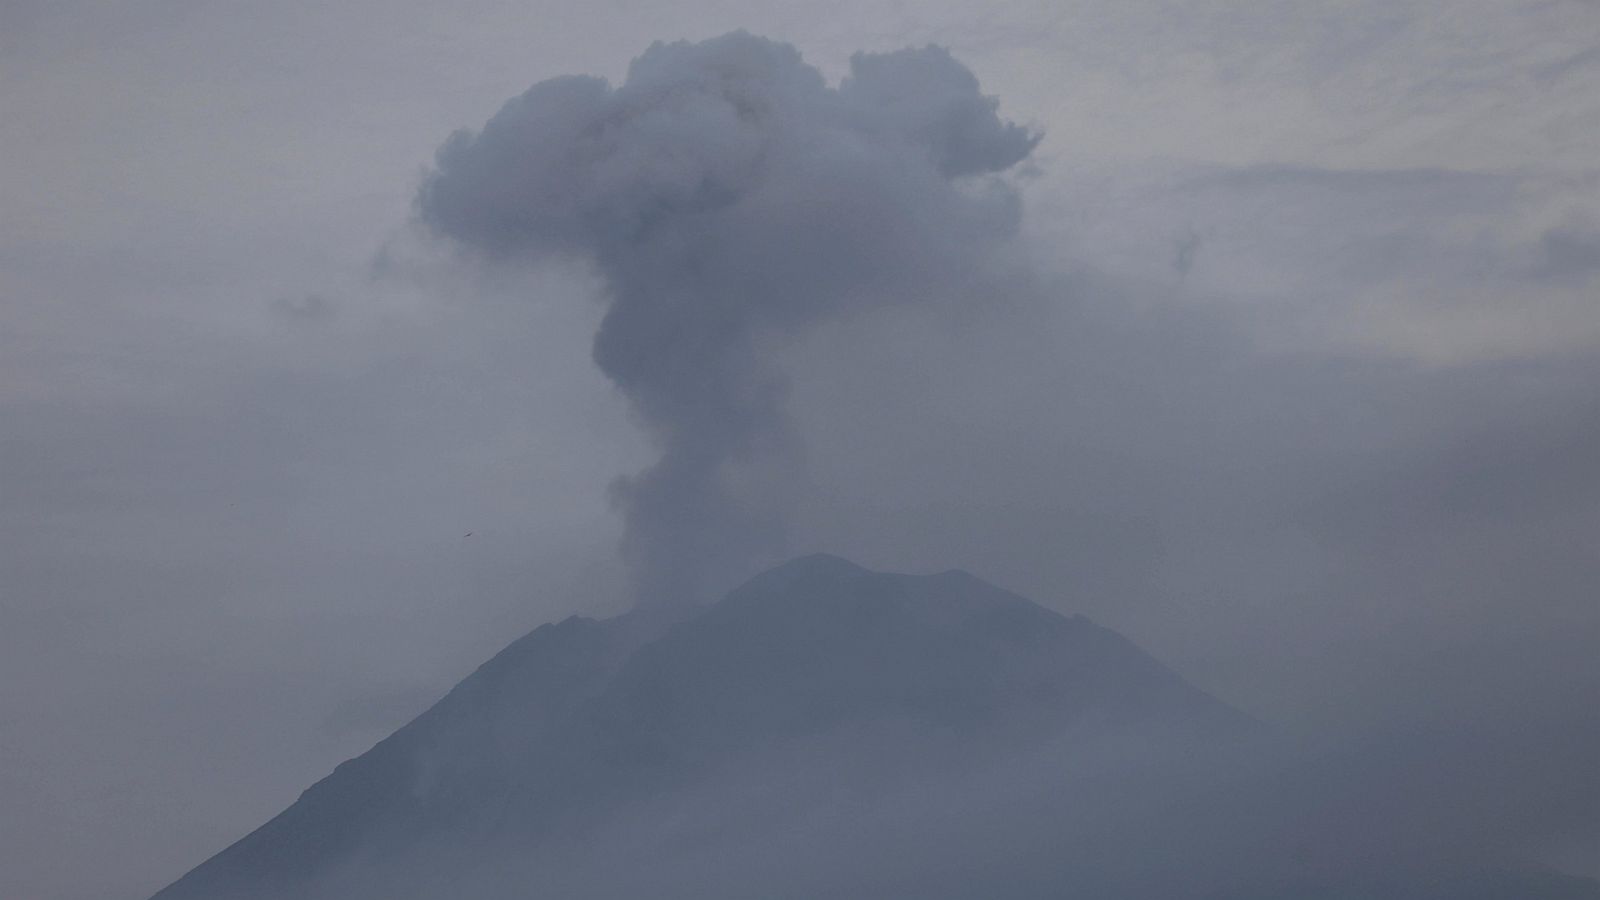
x=729, y=197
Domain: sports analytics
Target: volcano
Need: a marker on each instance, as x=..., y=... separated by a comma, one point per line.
x=823, y=730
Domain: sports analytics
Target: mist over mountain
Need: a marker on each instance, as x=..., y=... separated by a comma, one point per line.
x=825, y=730
x=342, y=344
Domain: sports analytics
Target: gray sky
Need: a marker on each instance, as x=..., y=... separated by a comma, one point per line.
x=1299, y=386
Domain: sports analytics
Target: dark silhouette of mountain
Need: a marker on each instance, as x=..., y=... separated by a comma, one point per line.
x=824, y=730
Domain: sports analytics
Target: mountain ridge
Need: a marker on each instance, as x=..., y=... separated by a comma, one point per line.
x=820, y=704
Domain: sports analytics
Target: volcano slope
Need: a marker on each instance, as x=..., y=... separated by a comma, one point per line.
x=829, y=731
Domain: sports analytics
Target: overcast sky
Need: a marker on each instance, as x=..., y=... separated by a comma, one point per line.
x=1294, y=378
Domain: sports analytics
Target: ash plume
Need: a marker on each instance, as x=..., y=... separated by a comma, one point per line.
x=729, y=198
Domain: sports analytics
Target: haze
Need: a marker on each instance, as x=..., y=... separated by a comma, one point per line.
x=1275, y=348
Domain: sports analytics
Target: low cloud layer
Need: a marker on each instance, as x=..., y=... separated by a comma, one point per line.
x=729, y=198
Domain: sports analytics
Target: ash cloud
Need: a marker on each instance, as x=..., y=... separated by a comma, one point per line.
x=730, y=198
